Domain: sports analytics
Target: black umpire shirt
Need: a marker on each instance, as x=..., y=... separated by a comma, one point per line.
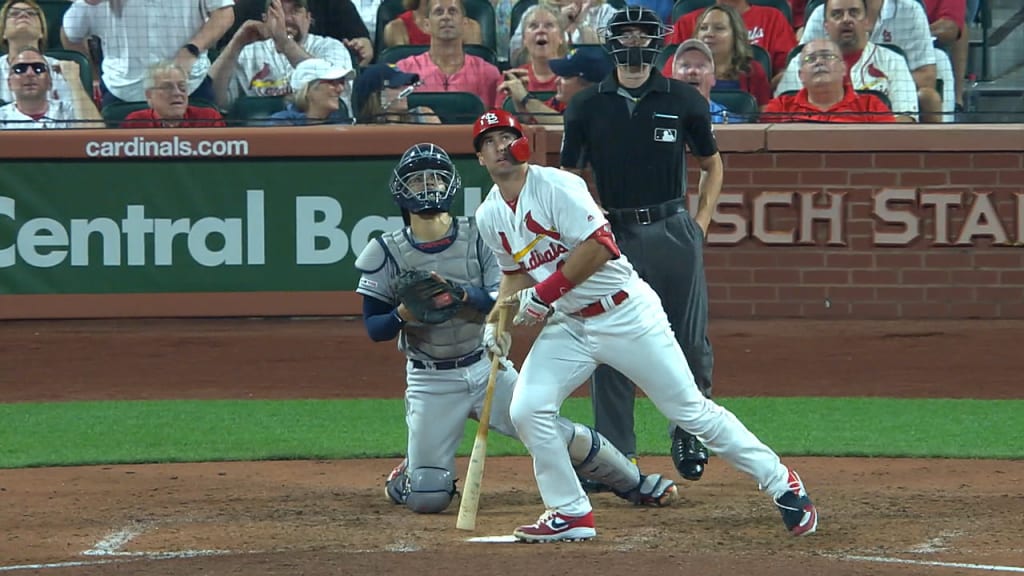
x=636, y=147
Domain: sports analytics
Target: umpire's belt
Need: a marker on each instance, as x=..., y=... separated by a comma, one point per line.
x=603, y=305
x=647, y=214
x=448, y=364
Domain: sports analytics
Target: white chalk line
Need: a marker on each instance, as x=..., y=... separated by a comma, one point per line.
x=966, y=565
x=113, y=542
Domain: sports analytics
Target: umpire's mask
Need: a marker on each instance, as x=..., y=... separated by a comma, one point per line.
x=634, y=37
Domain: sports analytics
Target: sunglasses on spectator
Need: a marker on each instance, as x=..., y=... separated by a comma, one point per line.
x=823, y=56
x=37, y=67
x=18, y=12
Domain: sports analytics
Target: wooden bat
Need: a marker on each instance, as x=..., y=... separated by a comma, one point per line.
x=470, y=498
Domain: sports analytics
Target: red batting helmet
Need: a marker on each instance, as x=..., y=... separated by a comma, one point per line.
x=498, y=118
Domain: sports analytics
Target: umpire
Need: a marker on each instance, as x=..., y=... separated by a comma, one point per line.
x=632, y=129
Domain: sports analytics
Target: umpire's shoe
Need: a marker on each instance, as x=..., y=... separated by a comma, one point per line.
x=688, y=454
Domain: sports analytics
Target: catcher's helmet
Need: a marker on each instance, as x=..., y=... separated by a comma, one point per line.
x=497, y=118
x=425, y=180
x=639, y=46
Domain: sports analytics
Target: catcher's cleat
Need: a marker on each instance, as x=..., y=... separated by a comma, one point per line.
x=553, y=526
x=653, y=490
x=798, y=512
x=396, y=487
x=688, y=454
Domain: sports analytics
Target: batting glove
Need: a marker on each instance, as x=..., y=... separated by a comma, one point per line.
x=532, y=310
x=497, y=344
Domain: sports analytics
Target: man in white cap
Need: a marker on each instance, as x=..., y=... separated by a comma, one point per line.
x=318, y=87
x=695, y=65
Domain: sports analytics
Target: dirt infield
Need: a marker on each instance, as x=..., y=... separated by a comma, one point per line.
x=878, y=516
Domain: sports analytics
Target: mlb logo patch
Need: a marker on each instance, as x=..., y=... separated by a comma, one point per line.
x=664, y=135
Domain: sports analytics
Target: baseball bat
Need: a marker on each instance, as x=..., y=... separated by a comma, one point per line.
x=475, y=474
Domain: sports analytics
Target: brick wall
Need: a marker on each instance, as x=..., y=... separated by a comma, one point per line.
x=905, y=232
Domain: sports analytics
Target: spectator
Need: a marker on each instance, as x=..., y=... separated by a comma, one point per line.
x=262, y=55
x=30, y=83
x=948, y=25
x=367, y=10
x=869, y=67
x=338, y=19
x=899, y=22
x=827, y=95
x=317, y=87
x=22, y=25
x=446, y=66
x=799, y=9
x=380, y=94
x=167, y=96
x=544, y=39
x=584, y=21
x=766, y=27
x=722, y=29
x=412, y=26
x=580, y=69
x=135, y=35
x=695, y=65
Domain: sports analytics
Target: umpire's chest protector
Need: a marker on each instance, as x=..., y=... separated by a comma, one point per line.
x=459, y=263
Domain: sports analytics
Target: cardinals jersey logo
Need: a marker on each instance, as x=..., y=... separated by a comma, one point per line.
x=755, y=35
x=535, y=227
x=874, y=72
x=504, y=243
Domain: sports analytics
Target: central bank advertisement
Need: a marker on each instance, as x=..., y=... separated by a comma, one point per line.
x=282, y=225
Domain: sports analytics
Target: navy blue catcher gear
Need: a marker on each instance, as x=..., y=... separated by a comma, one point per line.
x=634, y=36
x=425, y=180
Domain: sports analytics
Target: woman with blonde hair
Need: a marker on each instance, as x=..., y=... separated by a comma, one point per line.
x=23, y=24
x=409, y=28
x=318, y=86
x=583, y=21
x=544, y=38
x=721, y=27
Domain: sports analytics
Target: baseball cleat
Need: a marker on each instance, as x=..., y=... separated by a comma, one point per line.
x=653, y=490
x=553, y=526
x=798, y=512
x=688, y=454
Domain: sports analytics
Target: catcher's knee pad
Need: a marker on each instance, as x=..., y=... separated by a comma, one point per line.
x=430, y=490
x=597, y=459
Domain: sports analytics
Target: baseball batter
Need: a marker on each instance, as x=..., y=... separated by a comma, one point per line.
x=563, y=268
x=438, y=317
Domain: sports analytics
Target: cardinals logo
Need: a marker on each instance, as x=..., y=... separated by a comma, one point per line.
x=504, y=243
x=874, y=72
x=535, y=227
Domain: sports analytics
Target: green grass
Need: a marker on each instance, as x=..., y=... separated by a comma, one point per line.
x=78, y=433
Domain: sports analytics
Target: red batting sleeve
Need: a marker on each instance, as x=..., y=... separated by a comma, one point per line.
x=604, y=237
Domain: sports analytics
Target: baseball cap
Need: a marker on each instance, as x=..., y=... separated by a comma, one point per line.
x=694, y=44
x=375, y=78
x=316, y=69
x=591, y=62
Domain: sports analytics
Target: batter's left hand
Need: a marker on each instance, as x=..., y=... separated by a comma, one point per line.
x=532, y=310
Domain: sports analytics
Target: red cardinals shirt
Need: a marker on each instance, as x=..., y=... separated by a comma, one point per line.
x=195, y=117
x=854, y=107
x=766, y=27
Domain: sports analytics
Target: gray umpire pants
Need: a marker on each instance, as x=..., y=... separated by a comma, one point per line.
x=669, y=255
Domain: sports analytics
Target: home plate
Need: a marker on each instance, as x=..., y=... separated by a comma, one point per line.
x=502, y=539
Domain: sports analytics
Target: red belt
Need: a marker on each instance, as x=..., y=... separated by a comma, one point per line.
x=596, y=308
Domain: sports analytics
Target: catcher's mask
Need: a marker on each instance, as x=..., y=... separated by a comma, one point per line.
x=634, y=37
x=425, y=180
x=495, y=119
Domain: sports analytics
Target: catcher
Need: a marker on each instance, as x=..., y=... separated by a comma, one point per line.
x=431, y=285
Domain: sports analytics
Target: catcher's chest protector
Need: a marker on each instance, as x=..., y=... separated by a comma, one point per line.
x=460, y=263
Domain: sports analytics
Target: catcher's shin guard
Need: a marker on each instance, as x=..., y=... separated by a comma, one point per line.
x=600, y=462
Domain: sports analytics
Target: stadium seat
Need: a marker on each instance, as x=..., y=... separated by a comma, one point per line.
x=450, y=107
x=683, y=7
x=737, y=102
x=542, y=95
x=114, y=114
x=764, y=58
x=248, y=109
x=84, y=66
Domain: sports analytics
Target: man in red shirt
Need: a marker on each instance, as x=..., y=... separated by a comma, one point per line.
x=947, y=22
x=827, y=96
x=167, y=96
x=766, y=27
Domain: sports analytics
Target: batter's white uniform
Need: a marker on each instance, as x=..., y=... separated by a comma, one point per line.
x=552, y=216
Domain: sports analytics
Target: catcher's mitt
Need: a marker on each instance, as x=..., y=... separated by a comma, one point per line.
x=430, y=298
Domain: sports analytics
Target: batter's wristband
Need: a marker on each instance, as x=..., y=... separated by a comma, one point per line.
x=553, y=287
